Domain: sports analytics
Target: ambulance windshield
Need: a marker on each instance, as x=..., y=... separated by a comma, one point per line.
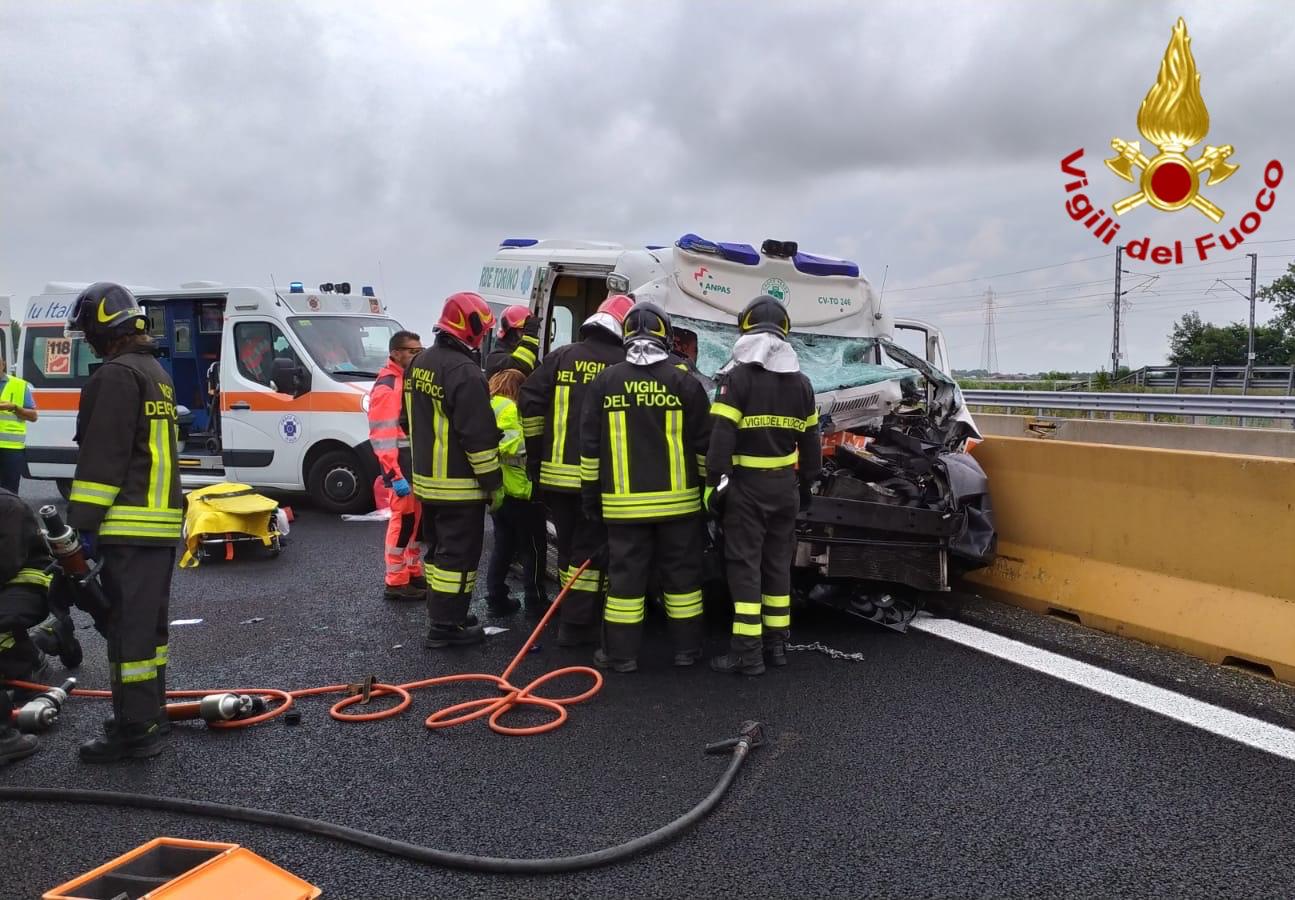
x=829, y=361
x=346, y=347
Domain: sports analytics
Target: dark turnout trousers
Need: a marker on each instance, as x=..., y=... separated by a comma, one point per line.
x=454, y=534
x=672, y=552
x=759, y=540
x=519, y=533
x=137, y=582
x=578, y=539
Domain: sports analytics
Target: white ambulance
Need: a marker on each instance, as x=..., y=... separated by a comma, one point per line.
x=847, y=342
x=6, y=333
x=274, y=384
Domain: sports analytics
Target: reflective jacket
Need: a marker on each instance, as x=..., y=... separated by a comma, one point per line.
x=552, y=401
x=643, y=442
x=454, y=442
x=126, y=486
x=512, y=450
x=764, y=421
x=13, y=427
x=522, y=356
x=23, y=554
x=389, y=441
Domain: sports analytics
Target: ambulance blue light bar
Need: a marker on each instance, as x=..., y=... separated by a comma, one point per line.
x=368, y=290
x=518, y=242
x=821, y=265
x=296, y=287
x=738, y=253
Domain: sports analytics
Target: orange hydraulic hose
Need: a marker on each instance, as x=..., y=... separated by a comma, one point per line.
x=494, y=708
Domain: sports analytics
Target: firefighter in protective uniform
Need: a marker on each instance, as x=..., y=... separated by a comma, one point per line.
x=125, y=501
x=644, y=437
x=454, y=446
x=24, y=591
x=517, y=344
x=765, y=440
x=403, y=551
x=551, y=404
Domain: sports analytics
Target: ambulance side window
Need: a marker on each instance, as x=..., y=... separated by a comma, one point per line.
x=51, y=360
x=256, y=344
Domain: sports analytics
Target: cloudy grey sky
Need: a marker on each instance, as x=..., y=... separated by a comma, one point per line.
x=164, y=142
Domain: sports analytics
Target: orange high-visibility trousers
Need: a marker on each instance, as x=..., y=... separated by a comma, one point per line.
x=404, y=549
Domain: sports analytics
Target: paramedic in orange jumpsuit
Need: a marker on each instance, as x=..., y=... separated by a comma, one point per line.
x=403, y=551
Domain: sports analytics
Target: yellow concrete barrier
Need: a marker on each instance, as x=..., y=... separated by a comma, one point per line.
x=1194, y=551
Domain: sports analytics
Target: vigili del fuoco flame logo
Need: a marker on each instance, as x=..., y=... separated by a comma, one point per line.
x=1173, y=117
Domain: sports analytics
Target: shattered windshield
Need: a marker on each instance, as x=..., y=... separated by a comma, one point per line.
x=346, y=346
x=831, y=362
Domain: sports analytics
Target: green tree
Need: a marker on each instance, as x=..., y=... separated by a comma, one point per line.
x=1281, y=294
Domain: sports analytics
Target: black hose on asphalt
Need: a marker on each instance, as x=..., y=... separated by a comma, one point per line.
x=752, y=736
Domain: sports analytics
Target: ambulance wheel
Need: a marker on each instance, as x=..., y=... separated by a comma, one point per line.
x=336, y=483
x=64, y=486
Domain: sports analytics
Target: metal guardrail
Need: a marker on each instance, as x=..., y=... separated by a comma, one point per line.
x=1211, y=377
x=1240, y=406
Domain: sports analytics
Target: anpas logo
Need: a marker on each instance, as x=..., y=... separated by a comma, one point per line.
x=777, y=289
x=708, y=284
x=1173, y=117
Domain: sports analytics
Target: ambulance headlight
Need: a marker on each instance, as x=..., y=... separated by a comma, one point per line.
x=617, y=284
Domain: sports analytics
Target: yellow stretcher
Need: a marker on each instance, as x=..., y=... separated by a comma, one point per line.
x=222, y=515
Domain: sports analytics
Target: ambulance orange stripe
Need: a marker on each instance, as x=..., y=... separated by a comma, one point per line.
x=61, y=401
x=312, y=402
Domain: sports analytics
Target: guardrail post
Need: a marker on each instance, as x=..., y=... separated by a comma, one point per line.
x=1214, y=374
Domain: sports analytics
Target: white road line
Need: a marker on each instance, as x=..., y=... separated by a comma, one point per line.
x=1205, y=716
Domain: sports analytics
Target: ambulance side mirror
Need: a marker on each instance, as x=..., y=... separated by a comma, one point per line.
x=289, y=377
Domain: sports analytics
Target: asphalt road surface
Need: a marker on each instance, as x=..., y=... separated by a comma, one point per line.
x=928, y=769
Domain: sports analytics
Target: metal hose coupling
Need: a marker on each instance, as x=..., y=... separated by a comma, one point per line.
x=750, y=735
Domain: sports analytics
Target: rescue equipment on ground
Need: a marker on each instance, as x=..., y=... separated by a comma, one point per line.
x=178, y=869
x=223, y=515
x=41, y=712
x=750, y=735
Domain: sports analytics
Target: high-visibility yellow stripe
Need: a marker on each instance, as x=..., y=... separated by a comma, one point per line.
x=33, y=577
x=93, y=492
x=812, y=420
x=162, y=654
x=440, y=442
x=765, y=462
x=624, y=610
x=674, y=449
x=746, y=629
x=145, y=513
x=588, y=469
x=138, y=670
x=777, y=621
x=683, y=606
x=525, y=355
x=778, y=601
x=723, y=410
x=743, y=608
x=161, y=468
x=561, y=409
x=620, y=453
x=7, y=640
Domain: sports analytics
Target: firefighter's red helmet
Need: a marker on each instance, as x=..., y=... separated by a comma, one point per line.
x=514, y=317
x=617, y=306
x=466, y=316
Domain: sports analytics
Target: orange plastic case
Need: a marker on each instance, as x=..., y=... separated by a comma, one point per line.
x=176, y=869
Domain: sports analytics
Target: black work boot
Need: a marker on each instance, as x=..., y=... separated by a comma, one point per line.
x=775, y=651
x=163, y=725
x=404, y=592
x=14, y=745
x=603, y=661
x=439, y=636
x=687, y=657
x=537, y=605
x=577, y=635
x=503, y=605
x=418, y=581
x=737, y=664
x=129, y=742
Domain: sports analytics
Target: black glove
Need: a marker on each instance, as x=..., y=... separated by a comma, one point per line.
x=531, y=327
x=533, y=472
x=806, y=495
